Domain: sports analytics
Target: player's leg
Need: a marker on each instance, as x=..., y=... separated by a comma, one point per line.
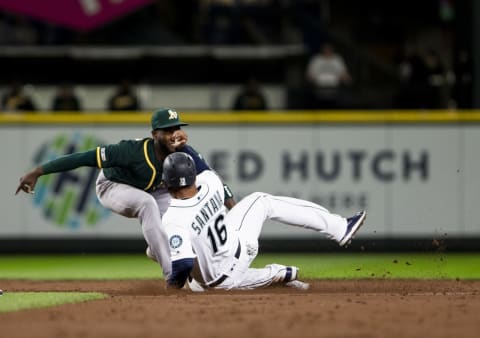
x=253, y=278
x=249, y=215
x=162, y=197
x=132, y=202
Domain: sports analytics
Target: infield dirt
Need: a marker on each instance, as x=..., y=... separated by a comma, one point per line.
x=340, y=308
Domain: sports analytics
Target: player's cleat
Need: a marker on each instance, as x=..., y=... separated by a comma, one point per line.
x=297, y=284
x=291, y=279
x=193, y=285
x=353, y=224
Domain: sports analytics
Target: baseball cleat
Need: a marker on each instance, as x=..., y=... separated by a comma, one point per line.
x=297, y=284
x=193, y=285
x=353, y=224
x=293, y=281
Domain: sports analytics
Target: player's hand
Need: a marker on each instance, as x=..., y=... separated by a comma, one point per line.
x=230, y=203
x=180, y=138
x=29, y=180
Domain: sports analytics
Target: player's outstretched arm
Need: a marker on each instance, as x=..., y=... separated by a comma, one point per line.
x=29, y=180
x=60, y=164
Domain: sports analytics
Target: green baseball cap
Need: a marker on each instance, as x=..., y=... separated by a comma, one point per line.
x=165, y=118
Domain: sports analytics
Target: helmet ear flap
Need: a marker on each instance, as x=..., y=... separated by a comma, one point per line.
x=179, y=170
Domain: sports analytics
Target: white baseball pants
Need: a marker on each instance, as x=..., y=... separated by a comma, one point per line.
x=248, y=217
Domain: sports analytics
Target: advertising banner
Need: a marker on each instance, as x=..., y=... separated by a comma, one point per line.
x=413, y=180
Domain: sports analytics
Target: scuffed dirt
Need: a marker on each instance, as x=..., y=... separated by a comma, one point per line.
x=359, y=308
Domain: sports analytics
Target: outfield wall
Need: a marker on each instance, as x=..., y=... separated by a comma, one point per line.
x=414, y=172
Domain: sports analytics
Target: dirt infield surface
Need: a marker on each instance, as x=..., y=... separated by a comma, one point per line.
x=365, y=308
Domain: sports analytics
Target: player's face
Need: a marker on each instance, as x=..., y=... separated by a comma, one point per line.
x=166, y=138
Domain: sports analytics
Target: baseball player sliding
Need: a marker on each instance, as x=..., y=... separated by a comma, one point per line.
x=130, y=179
x=216, y=248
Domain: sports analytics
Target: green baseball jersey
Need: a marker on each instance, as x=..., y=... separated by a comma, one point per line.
x=131, y=162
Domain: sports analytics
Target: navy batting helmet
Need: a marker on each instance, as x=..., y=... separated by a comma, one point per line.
x=178, y=170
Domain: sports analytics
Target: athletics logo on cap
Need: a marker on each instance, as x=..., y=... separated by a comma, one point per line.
x=172, y=114
x=166, y=118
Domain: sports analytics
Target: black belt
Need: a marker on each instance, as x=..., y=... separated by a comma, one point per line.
x=223, y=277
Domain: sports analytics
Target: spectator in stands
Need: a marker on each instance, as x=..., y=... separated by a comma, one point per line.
x=423, y=81
x=124, y=98
x=412, y=74
x=250, y=97
x=15, y=99
x=326, y=75
x=18, y=30
x=5, y=30
x=462, y=90
x=65, y=99
x=437, y=82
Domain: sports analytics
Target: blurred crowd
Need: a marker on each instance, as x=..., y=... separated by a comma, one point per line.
x=125, y=97
x=18, y=99
x=421, y=63
x=217, y=22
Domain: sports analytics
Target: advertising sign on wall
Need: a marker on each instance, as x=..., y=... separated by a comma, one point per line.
x=413, y=180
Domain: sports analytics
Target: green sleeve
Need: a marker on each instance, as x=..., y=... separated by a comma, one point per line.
x=71, y=161
x=227, y=191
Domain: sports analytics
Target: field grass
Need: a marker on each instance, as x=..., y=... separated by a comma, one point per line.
x=15, y=301
x=78, y=267
x=388, y=265
x=312, y=266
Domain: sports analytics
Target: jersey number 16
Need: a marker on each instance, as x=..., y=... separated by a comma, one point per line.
x=219, y=235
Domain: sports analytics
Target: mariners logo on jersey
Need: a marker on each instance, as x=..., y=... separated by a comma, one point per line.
x=175, y=241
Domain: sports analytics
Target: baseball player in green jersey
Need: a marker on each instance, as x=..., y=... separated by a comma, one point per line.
x=130, y=180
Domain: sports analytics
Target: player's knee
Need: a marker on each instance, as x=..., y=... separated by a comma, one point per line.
x=251, y=248
x=146, y=204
